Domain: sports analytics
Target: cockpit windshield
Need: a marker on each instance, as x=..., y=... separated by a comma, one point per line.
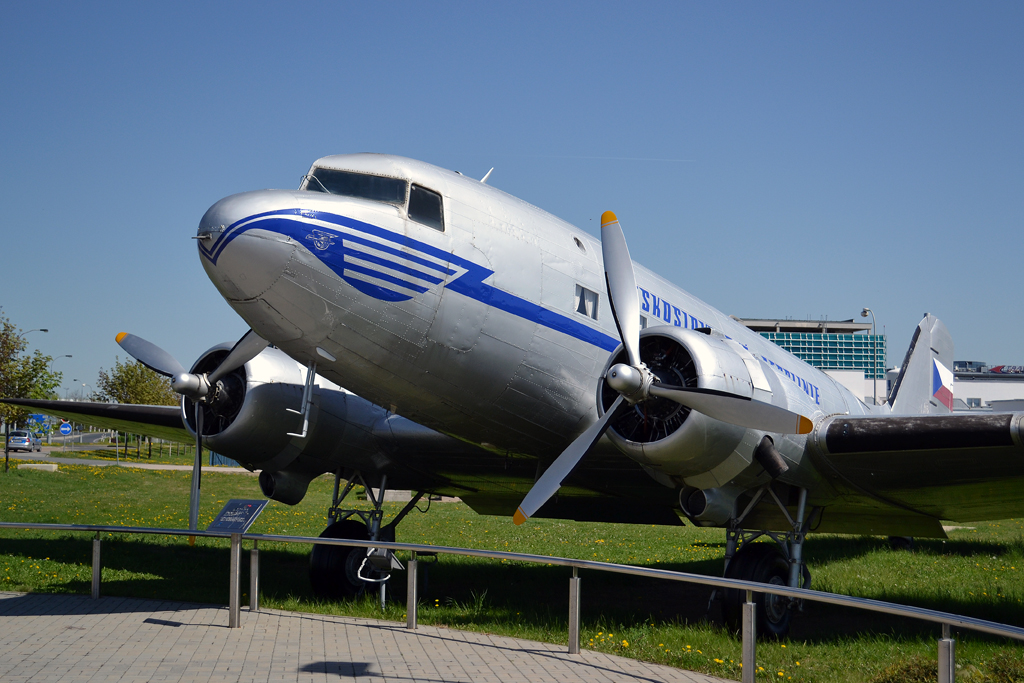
x=362, y=185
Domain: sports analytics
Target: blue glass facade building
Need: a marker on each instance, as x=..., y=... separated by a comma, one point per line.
x=829, y=345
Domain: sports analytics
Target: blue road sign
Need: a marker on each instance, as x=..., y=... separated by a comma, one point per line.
x=65, y=428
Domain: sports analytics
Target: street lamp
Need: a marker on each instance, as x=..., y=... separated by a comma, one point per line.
x=54, y=360
x=874, y=355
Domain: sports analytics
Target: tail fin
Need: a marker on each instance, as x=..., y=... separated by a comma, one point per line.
x=925, y=382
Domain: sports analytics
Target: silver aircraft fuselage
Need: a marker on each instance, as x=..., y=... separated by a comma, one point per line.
x=483, y=330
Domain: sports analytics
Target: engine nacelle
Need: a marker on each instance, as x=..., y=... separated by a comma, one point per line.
x=671, y=438
x=247, y=418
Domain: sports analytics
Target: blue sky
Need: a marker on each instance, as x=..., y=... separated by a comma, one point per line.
x=777, y=160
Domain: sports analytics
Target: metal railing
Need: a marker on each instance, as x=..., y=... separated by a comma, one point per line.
x=946, y=644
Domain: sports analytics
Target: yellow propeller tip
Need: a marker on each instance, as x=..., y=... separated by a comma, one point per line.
x=519, y=517
x=608, y=217
x=120, y=336
x=805, y=426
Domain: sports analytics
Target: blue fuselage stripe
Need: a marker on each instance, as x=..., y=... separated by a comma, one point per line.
x=471, y=283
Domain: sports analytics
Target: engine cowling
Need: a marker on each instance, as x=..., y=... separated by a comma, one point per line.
x=247, y=418
x=671, y=438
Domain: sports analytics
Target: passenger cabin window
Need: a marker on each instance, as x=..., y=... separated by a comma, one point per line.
x=362, y=185
x=425, y=207
x=586, y=302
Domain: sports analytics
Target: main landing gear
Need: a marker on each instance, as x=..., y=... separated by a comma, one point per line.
x=337, y=572
x=780, y=563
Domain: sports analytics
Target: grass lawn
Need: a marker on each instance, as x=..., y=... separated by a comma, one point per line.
x=978, y=572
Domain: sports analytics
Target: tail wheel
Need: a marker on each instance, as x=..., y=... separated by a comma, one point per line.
x=764, y=563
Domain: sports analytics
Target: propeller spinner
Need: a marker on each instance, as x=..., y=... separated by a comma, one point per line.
x=636, y=383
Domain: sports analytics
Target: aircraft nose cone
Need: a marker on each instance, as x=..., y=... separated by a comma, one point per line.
x=241, y=254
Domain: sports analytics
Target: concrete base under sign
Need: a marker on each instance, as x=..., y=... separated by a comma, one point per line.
x=44, y=466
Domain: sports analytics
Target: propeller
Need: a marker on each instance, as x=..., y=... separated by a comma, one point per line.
x=636, y=383
x=193, y=386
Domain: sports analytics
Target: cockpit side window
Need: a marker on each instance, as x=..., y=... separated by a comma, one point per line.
x=362, y=185
x=425, y=207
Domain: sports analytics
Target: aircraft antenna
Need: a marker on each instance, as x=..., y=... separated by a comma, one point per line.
x=484, y=179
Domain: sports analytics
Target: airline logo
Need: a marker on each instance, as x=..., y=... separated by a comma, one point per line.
x=942, y=383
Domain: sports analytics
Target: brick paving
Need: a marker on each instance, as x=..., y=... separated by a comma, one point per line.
x=128, y=640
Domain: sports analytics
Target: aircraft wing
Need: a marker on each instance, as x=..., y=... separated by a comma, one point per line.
x=161, y=422
x=960, y=467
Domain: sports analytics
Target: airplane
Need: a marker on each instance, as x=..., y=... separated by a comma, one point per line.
x=415, y=328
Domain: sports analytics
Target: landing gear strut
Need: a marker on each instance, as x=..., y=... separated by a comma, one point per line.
x=338, y=572
x=780, y=563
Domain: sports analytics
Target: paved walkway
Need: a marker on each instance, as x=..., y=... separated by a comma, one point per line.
x=75, y=638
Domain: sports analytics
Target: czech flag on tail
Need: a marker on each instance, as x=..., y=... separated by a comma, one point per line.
x=942, y=384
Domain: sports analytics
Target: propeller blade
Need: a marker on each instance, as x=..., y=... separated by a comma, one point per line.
x=618, y=274
x=734, y=409
x=551, y=480
x=247, y=348
x=197, y=472
x=150, y=355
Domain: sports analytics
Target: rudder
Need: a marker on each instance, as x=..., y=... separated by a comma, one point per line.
x=925, y=383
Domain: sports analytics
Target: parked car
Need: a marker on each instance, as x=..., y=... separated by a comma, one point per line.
x=21, y=440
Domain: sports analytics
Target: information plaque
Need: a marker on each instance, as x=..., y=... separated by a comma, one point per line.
x=237, y=516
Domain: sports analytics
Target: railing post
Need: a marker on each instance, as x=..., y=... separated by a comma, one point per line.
x=947, y=657
x=574, y=613
x=411, y=592
x=749, y=639
x=254, y=577
x=234, y=616
x=96, y=567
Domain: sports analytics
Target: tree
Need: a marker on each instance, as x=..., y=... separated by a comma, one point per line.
x=132, y=382
x=22, y=375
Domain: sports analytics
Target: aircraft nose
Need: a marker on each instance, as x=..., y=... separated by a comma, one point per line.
x=240, y=254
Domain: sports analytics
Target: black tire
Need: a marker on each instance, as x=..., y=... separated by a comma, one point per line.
x=332, y=568
x=764, y=563
x=905, y=543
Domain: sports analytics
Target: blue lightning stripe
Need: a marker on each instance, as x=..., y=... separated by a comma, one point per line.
x=397, y=252
x=387, y=263
x=470, y=283
x=352, y=267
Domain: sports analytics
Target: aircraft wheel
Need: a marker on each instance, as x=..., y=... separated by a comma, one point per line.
x=764, y=563
x=332, y=568
x=902, y=543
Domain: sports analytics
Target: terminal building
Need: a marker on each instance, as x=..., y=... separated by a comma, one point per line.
x=848, y=352
x=998, y=388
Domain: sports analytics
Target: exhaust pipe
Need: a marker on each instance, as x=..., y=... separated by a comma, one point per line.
x=284, y=487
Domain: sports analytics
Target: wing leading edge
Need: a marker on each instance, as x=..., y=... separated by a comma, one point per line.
x=162, y=422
